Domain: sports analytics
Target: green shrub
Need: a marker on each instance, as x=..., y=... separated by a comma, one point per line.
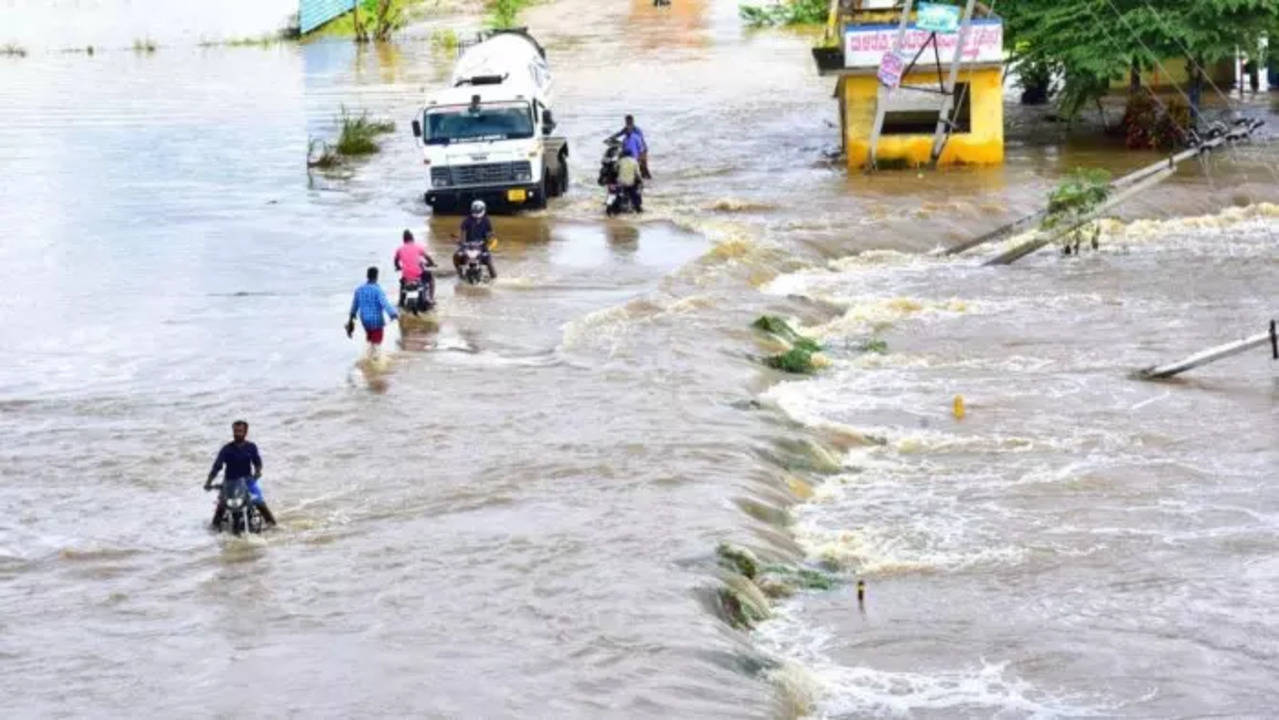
x=795, y=12
x=503, y=14
x=1078, y=194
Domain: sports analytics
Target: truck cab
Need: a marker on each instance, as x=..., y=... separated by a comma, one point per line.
x=489, y=135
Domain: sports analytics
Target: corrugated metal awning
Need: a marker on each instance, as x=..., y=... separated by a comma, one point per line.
x=314, y=13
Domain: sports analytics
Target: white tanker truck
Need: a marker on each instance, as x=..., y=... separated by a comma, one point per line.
x=488, y=135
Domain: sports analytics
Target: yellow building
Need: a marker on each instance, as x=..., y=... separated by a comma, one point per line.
x=1174, y=72
x=913, y=108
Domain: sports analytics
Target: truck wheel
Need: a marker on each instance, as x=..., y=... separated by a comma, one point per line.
x=542, y=189
x=562, y=182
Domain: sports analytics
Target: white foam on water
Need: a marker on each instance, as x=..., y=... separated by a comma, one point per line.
x=977, y=688
x=1049, y=470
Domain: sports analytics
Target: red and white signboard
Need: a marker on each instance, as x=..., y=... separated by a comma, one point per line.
x=866, y=45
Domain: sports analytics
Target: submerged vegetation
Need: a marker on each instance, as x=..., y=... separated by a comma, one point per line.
x=803, y=354
x=745, y=598
x=357, y=133
x=784, y=12
x=355, y=137
x=874, y=345
x=327, y=158
x=445, y=40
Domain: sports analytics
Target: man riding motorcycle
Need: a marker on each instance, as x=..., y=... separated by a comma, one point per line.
x=241, y=460
x=412, y=260
x=628, y=179
x=476, y=229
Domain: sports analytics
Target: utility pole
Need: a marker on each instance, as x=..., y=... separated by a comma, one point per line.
x=883, y=95
x=1216, y=353
x=948, y=106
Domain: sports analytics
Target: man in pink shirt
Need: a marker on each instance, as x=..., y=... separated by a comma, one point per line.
x=412, y=260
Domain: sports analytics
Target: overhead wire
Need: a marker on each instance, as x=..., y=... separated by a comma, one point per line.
x=1155, y=58
x=1162, y=68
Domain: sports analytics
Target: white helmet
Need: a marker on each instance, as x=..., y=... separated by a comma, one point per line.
x=477, y=208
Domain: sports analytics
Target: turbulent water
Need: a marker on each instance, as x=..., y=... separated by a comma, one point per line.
x=515, y=512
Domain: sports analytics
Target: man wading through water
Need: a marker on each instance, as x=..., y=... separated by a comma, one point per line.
x=241, y=459
x=369, y=302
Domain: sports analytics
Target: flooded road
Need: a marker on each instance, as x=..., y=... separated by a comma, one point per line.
x=517, y=515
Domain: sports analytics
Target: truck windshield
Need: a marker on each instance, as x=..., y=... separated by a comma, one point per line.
x=489, y=123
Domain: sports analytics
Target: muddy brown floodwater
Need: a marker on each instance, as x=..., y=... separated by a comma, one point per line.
x=516, y=516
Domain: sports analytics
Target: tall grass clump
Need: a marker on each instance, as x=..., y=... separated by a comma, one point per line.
x=144, y=45
x=13, y=50
x=327, y=158
x=357, y=133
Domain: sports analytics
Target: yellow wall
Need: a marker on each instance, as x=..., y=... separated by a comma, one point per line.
x=983, y=146
x=1222, y=74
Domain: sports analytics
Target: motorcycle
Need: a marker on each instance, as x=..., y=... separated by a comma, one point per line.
x=472, y=262
x=414, y=297
x=239, y=513
x=615, y=201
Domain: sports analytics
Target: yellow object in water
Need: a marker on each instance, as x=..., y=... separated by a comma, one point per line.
x=958, y=408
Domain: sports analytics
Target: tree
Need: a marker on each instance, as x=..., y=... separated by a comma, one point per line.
x=1093, y=42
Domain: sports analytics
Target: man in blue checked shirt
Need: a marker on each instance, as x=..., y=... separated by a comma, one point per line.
x=369, y=303
x=633, y=140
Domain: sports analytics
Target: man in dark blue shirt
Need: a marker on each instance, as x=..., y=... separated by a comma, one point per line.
x=241, y=460
x=476, y=229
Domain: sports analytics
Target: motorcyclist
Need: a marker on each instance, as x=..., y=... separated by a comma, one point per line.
x=633, y=139
x=476, y=228
x=412, y=260
x=628, y=179
x=241, y=459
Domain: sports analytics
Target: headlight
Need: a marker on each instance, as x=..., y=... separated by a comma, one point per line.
x=234, y=502
x=440, y=177
x=524, y=175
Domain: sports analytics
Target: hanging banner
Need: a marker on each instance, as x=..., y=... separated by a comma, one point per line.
x=938, y=18
x=891, y=67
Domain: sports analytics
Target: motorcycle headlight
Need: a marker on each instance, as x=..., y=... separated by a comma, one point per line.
x=234, y=503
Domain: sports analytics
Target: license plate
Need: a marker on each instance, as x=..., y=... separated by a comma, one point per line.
x=517, y=195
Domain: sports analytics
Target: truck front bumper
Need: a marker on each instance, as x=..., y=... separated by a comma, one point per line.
x=498, y=195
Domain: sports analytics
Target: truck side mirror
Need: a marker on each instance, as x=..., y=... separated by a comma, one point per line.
x=417, y=128
x=548, y=122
